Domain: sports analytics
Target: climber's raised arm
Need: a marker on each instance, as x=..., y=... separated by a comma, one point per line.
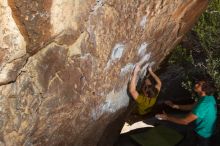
x=133, y=83
x=156, y=78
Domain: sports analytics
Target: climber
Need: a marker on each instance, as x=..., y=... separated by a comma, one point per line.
x=204, y=113
x=147, y=97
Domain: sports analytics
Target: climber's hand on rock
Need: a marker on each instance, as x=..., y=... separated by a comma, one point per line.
x=137, y=68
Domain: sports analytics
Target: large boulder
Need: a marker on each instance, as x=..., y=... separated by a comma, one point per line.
x=65, y=64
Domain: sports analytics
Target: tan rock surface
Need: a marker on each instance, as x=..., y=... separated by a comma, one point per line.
x=65, y=64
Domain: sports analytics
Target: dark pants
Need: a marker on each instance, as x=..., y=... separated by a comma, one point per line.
x=193, y=139
x=201, y=141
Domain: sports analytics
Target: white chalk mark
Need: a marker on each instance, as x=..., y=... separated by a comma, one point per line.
x=99, y=4
x=114, y=101
x=142, y=49
x=126, y=69
x=151, y=64
x=143, y=21
x=117, y=53
x=144, y=59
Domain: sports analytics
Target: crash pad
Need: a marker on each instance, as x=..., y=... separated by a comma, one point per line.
x=157, y=136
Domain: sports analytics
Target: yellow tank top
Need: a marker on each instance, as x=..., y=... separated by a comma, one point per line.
x=145, y=104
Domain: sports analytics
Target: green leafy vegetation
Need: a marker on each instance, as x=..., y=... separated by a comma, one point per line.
x=208, y=31
x=181, y=56
x=208, y=28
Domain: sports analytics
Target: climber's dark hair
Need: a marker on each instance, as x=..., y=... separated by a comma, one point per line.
x=152, y=92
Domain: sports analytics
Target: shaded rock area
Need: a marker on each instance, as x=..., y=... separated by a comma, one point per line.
x=192, y=42
x=65, y=65
x=172, y=78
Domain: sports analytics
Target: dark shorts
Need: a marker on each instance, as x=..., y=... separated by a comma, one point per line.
x=193, y=139
x=201, y=141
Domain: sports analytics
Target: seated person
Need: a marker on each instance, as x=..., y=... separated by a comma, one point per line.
x=146, y=98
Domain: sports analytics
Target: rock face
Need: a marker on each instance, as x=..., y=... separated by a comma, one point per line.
x=65, y=64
